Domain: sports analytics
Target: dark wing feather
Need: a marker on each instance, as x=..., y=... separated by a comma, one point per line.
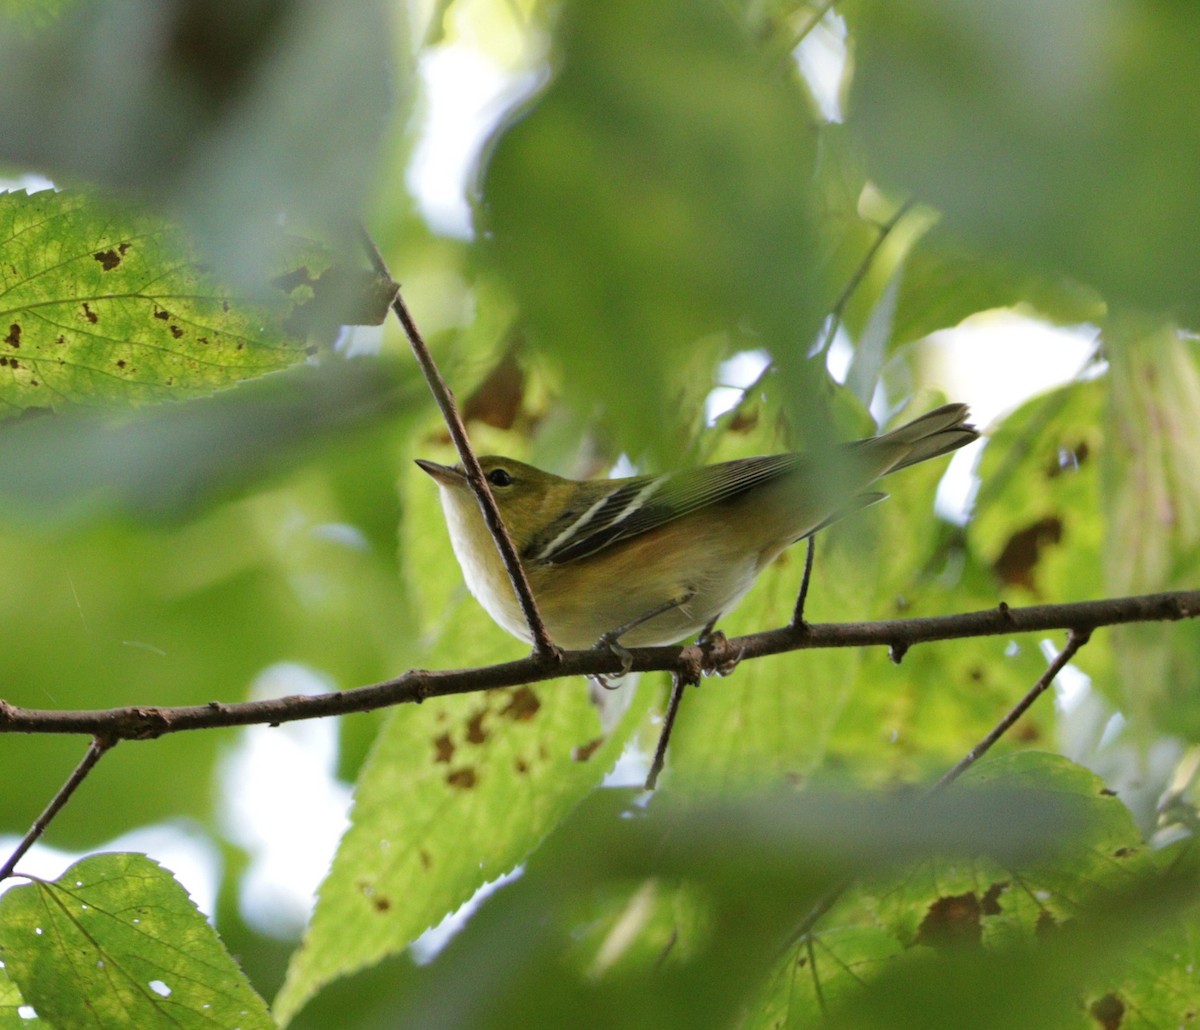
x=639, y=505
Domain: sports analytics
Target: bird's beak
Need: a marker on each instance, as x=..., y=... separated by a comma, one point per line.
x=445, y=475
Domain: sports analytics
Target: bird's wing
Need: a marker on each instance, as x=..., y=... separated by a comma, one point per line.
x=638, y=505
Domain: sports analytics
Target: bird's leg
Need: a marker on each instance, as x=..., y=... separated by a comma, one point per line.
x=612, y=638
x=798, y=614
x=706, y=634
x=714, y=643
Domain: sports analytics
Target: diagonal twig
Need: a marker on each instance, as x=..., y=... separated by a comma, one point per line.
x=860, y=273
x=679, y=683
x=543, y=645
x=96, y=750
x=1075, y=640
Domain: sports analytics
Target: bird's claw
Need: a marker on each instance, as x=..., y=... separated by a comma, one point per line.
x=719, y=659
x=612, y=644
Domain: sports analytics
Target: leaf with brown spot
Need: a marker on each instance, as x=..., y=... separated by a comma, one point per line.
x=990, y=905
x=1016, y=564
x=475, y=731
x=1108, y=1012
x=443, y=748
x=109, y=259
x=1069, y=459
x=463, y=778
x=497, y=400
x=743, y=421
x=469, y=834
x=585, y=751
x=952, y=922
x=100, y=300
x=522, y=706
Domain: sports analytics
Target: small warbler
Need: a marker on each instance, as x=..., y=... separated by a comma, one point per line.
x=653, y=559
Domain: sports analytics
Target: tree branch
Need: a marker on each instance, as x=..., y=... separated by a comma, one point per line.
x=442, y=393
x=138, y=723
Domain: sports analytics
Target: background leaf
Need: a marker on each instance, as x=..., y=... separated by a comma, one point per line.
x=609, y=212
x=1024, y=123
x=196, y=107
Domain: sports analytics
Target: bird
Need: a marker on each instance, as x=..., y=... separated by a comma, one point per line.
x=654, y=559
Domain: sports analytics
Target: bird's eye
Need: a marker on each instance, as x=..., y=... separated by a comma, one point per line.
x=499, y=477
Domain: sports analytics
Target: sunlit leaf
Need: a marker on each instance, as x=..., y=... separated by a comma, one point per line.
x=910, y=950
x=106, y=304
x=115, y=941
x=13, y=1009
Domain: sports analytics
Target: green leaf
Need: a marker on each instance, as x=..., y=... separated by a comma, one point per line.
x=11, y=1004
x=454, y=794
x=753, y=867
x=100, y=304
x=651, y=199
x=1151, y=488
x=1033, y=127
x=944, y=281
x=1040, y=487
x=909, y=950
x=116, y=941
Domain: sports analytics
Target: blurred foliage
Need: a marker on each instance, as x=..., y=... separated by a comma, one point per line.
x=1065, y=135
x=620, y=182
x=199, y=106
x=193, y=499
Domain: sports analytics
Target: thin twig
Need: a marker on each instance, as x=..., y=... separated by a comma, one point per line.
x=1075, y=640
x=860, y=273
x=542, y=643
x=96, y=750
x=813, y=21
x=136, y=723
x=679, y=684
x=802, y=597
x=838, y=310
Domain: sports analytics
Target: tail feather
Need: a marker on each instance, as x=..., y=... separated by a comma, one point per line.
x=937, y=432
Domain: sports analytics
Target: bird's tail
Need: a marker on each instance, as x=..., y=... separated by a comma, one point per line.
x=937, y=432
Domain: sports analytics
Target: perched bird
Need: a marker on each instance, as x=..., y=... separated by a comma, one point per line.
x=653, y=559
